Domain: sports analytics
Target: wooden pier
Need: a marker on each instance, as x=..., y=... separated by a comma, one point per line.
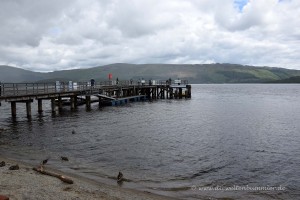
x=107, y=93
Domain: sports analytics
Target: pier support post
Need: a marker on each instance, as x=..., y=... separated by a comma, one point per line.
x=148, y=93
x=171, y=93
x=40, y=105
x=28, y=109
x=88, y=102
x=13, y=109
x=72, y=101
x=162, y=92
x=118, y=92
x=100, y=101
x=59, y=104
x=180, y=93
x=168, y=93
x=188, y=91
x=53, y=105
x=75, y=101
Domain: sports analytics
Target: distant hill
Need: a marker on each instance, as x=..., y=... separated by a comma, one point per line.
x=198, y=73
x=12, y=74
x=293, y=79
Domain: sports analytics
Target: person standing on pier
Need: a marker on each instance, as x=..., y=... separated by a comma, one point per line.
x=92, y=82
x=143, y=81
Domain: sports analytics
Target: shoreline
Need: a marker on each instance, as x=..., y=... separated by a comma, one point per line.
x=26, y=183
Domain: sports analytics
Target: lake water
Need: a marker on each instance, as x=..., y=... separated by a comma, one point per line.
x=239, y=135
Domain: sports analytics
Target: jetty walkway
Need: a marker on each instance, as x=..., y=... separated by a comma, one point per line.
x=106, y=93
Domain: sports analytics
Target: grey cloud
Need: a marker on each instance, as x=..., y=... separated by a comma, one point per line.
x=25, y=22
x=52, y=35
x=139, y=18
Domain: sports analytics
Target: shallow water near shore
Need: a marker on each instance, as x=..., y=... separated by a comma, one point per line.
x=225, y=136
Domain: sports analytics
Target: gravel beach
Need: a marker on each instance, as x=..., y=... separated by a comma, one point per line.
x=26, y=183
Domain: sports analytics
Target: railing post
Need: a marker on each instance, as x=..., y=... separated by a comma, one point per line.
x=14, y=89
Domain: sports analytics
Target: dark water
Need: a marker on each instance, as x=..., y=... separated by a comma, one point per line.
x=225, y=136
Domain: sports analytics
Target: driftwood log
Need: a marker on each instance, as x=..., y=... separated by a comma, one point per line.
x=59, y=176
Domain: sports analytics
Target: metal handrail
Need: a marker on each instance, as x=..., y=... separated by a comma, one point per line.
x=18, y=89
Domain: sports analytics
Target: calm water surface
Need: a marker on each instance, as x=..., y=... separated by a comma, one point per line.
x=225, y=136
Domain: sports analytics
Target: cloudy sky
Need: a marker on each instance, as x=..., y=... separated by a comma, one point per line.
x=43, y=35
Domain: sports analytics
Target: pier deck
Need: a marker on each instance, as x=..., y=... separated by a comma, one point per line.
x=106, y=93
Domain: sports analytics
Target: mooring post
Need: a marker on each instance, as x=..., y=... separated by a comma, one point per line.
x=28, y=108
x=40, y=105
x=13, y=109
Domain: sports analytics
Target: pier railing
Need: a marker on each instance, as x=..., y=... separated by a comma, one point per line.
x=18, y=89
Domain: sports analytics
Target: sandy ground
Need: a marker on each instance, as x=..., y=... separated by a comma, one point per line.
x=26, y=184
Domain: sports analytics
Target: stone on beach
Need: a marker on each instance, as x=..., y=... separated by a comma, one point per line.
x=2, y=164
x=2, y=197
x=14, y=167
x=64, y=158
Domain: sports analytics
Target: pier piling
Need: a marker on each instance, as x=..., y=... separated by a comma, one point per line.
x=53, y=105
x=28, y=108
x=88, y=102
x=13, y=109
x=40, y=106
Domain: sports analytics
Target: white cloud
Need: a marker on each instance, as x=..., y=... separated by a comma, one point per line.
x=53, y=35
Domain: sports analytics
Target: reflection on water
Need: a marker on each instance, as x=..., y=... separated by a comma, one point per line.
x=225, y=135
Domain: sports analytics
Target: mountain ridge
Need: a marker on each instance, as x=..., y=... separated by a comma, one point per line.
x=194, y=73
